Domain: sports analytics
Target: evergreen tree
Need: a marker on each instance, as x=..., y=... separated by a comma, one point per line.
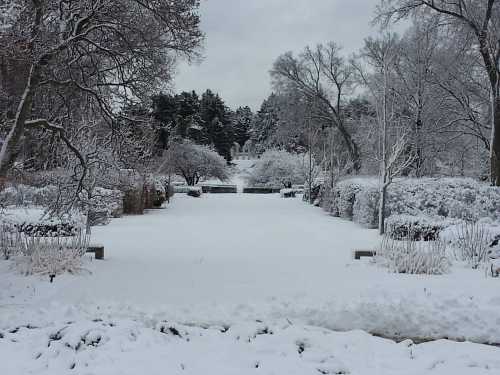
x=242, y=123
x=265, y=123
x=216, y=123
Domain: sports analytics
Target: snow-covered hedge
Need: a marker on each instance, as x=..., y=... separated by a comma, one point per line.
x=24, y=195
x=419, y=228
x=365, y=209
x=104, y=205
x=457, y=198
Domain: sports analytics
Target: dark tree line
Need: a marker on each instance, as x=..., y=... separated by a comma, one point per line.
x=205, y=120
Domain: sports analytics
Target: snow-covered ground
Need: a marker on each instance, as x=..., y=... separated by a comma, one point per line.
x=131, y=347
x=227, y=261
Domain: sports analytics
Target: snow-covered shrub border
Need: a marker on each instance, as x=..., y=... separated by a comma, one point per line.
x=414, y=257
x=419, y=228
x=53, y=255
x=41, y=244
x=27, y=196
x=456, y=198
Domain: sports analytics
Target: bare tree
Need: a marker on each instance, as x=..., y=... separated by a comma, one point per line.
x=481, y=18
x=105, y=52
x=325, y=78
x=382, y=56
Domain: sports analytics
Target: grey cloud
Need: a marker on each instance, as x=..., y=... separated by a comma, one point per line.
x=244, y=37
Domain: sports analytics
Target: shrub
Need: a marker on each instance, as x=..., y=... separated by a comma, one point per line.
x=366, y=207
x=10, y=240
x=287, y=193
x=53, y=255
x=414, y=257
x=194, y=192
x=419, y=228
x=346, y=193
x=24, y=195
x=103, y=205
x=472, y=245
x=44, y=245
x=279, y=168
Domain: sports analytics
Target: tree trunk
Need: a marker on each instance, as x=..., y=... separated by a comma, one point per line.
x=352, y=148
x=381, y=207
x=495, y=141
x=12, y=144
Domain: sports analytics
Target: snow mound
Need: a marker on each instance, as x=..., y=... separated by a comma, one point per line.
x=103, y=345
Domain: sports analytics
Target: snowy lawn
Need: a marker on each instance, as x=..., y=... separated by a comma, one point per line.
x=227, y=260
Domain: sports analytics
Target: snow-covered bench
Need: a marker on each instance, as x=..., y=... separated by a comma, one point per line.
x=98, y=251
x=364, y=253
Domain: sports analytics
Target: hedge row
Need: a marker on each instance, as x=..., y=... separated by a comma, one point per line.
x=357, y=199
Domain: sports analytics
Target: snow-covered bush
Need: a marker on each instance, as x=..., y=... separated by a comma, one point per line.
x=24, y=195
x=346, y=197
x=194, y=191
x=414, y=257
x=419, y=228
x=103, y=205
x=328, y=197
x=279, y=168
x=461, y=198
x=10, y=241
x=53, y=255
x=287, y=193
x=366, y=207
x=472, y=244
x=42, y=244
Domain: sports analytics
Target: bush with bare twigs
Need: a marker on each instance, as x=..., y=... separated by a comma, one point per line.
x=414, y=257
x=472, y=243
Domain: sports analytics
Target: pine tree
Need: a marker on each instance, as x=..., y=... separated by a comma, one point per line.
x=242, y=123
x=265, y=123
x=216, y=123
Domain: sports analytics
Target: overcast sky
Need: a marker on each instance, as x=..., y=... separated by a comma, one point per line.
x=244, y=37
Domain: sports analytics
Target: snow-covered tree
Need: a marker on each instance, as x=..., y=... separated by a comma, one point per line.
x=242, y=123
x=322, y=75
x=102, y=53
x=382, y=56
x=279, y=168
x=477, y=22
x=194, y=162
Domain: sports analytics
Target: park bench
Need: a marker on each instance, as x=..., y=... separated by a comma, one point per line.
x=219, y=189
x=364, y=253
x=260, y=190
x=97, y=250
